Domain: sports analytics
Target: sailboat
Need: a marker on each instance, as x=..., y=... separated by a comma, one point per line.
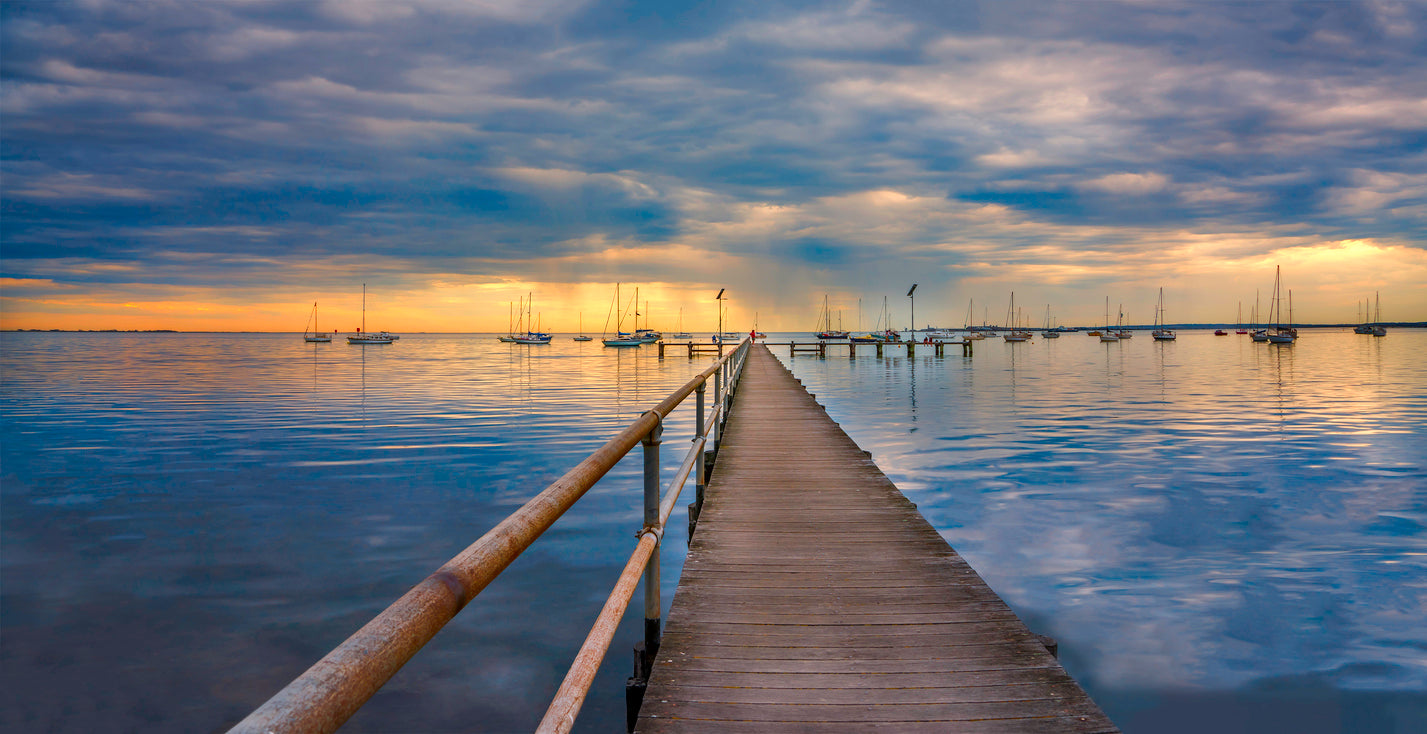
x=1015, y=334
x=1240, y=322
x=314, y=336
x=620, y=338
x=682, y=334
x=647, y=335
x=1049, y=333
x=1160, y=333
x=972, y=332
x=532, y=334
x=1120, y=329
x=1107, y=334
x=1377, y=328
x=583, y=337
x=1255, y=333
x=363, y=336
x=1280, y=334
x=886, y=335
x=825, y=330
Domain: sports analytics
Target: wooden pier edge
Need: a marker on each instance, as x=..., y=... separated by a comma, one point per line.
x=816, y=598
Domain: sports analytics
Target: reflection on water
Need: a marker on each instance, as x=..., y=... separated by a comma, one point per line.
x=190, y=520
x=1213, y=529
x=1209, y=526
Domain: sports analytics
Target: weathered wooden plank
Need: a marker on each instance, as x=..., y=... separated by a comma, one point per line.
x=728, y=660
x=853, y=713
x=1048, y=725
x=815, y=598
x=1049, y=675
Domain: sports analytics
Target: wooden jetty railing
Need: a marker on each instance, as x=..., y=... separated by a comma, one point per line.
x=815, y=598
x=329, y=692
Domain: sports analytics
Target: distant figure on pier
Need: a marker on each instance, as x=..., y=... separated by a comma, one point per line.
x=752, y=335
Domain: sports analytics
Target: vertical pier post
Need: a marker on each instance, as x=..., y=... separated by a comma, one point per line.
x=852, y=350
x=645, y=652
x=718, y=400
x=700, y=464
x=911, y=348
x=651, y=520
x=879, y=349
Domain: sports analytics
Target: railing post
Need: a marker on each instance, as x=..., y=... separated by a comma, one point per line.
x=700, y=465
x=718, y=400
x=645, y=652
x=652, y=488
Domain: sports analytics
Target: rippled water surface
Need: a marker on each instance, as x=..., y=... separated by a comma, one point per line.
x=1223, y=536
x=1220, y=534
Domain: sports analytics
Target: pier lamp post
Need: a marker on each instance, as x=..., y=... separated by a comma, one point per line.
x=914, y=310
x=719, y=300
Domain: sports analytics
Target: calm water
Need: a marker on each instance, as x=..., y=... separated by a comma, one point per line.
x=1220, y=534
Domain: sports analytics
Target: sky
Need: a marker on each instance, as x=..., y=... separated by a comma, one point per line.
x=223, y=165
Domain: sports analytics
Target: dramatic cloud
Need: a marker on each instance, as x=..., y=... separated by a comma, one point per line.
x=464, y=152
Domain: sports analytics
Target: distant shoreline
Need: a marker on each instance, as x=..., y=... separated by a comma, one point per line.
x=1141, y=327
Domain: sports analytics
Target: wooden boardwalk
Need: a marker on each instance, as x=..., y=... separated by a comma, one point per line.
x=815, y=598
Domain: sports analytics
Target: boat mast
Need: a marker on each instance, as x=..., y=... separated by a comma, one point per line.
x=364, y=308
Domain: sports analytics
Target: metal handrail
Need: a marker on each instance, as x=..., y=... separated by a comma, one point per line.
x=565, y=706
x=331, y=691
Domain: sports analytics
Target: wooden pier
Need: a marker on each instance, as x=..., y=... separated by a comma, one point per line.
x=815, y=598
x=820, y=348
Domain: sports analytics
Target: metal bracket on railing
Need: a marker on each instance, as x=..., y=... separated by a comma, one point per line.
x=657, y=432
x=657, y=532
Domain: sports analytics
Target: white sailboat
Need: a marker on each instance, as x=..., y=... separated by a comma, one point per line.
x=363, y=336
x=509, y=335
x=646, y=335
x=583, y=337
x=1108, y=334
x=1258, y=335
x=532, y=334
x=1049, y=333
x=314, y=336
x=1012, y=317
x=1160, y=333
x=1281, y=333
x=620, y=338
x=825, y=330
x=681, y=333
x=1120, y=329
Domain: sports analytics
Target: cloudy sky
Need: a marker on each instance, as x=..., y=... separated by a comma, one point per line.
x=223, y=164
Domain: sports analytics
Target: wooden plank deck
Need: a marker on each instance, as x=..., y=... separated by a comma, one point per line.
x=815, y=598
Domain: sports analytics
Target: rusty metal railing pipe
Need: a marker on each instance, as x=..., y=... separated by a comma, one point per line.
x=329, y=692
x=666, y=508
x=560, y=717
x=565, y=706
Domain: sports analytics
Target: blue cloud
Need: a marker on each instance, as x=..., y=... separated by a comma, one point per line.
x=300, y=130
